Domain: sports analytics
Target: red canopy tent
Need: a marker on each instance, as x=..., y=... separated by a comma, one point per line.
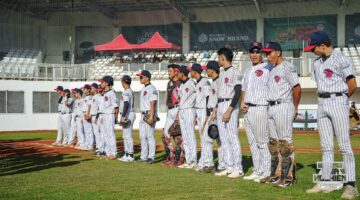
x=157, y=42
x=117, y=44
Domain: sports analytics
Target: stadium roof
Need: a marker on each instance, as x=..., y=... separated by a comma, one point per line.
x=111, y=8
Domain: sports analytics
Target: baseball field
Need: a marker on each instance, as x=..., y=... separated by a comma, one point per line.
x=31, y=168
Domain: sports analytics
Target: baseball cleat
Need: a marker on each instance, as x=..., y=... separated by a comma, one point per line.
x=236, y=174
x=350, y=192
x=150, y=161
x=253, y=176
x=257, y=180
x=224, y=172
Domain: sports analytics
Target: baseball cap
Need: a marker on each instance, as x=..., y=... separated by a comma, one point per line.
x=317, y=39
x=197, y=68
x=271, y=46
x=184, y=69
x=73, y=90
x=126, y=79
x=174, y=66
x=107, y=79
x=257, y=45
x=59, y=88
x=145, y=73
x=79, y=91
x=67, y=91
x=95, y=85
x=212, y=64
x=86, y=86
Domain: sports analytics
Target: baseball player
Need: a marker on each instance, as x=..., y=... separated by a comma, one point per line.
x=66, y=111
x=127, y=119
x=186, y=116
x=148, y=107
x=107, y=117
x=335, y=78
x=88, y=130
x=229, y=90
x=72, y=131
x=255, y=107
x=174, y=153
x=94, y=109
x=284, y=93
x=78, y=104
x=60, y=91
x=201, y=99
x=213, y=70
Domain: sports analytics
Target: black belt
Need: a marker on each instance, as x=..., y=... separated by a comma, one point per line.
x=252, y=105
x=328, y=94
x=64, y=113
x=171, y=107
x=223, y=100
x=273, y=103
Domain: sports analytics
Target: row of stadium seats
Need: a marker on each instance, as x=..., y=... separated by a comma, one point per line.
x=353, y=52
x=23, y=56
x=17, y=70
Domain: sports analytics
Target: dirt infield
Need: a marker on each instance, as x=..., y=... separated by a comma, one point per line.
x=35, y=147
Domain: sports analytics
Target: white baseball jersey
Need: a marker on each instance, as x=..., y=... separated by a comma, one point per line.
x=282, y=79
x=255, y=84
x=228, y=79
x=330, y=74
x=202, y=91
x=69, y=107
x=187, y=94
x=213, y=99
x=108, y=102
x=128, y=96
x=147, y=95
x=87, y=102
x=95, y=103
x=78, y=104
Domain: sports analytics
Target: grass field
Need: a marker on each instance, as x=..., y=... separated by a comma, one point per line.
x=80, y=175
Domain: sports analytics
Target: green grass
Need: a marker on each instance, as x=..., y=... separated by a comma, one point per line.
x=83, y=176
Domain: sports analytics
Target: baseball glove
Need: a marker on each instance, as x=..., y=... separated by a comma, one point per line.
x=87, y=117
x=147, y=116
x=174, y=129
x=125, y=123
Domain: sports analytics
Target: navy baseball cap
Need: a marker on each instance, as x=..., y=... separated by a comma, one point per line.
x=317, y=39
x=86, y=86
x=67, y=91
x=197, y=68
x=95, y=85
x=126, y=79
x=107, y=79
x=271, y=46
x=212, y=64
x=184, y=69
x=254, y=45
x=145, y=73
x=59, y=88
x=79, y=91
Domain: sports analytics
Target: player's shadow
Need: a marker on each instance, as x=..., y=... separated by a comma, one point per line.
x=16, y=159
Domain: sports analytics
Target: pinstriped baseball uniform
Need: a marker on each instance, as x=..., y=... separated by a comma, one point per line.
x=186, y=117
x=59, y=123
x=88, y=130
x=107, y=107
x=229, y=131
x=95, y=102
x=333, y=113
x=127, y=96
x=282, y=79
x=255, y=88
x=146, y=131
x=171, y=114
x=212, y=103
x=72, y=128
x=202, y=92
x=79, y=126
x=65, y=114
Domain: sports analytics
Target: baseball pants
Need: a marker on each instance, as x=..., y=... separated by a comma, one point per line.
x=255, y=121
x=88, y=133
x=72, y=131
x=206, y=158
x=221, y=163
x=229, y=137
x=333, y=118
x=127, y=134
x=170, y=119
x=187, y=126
x=147, y=139
x=80, y=131
x=63, y=132
x=107, y=131
x=96, y=129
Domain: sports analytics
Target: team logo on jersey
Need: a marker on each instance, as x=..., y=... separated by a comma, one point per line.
x=106, y=98
x=85, y=100
x=226, y=80
x=145, y=93
x=328, y=73
x=186, y=90
x=259, y=72
x=277, y=78
x=93, y=100
x=213, y=91
x=199, y=89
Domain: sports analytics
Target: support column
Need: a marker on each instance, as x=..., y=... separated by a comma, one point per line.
x=341, y=29
x=260, y=29
x=186, y=36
